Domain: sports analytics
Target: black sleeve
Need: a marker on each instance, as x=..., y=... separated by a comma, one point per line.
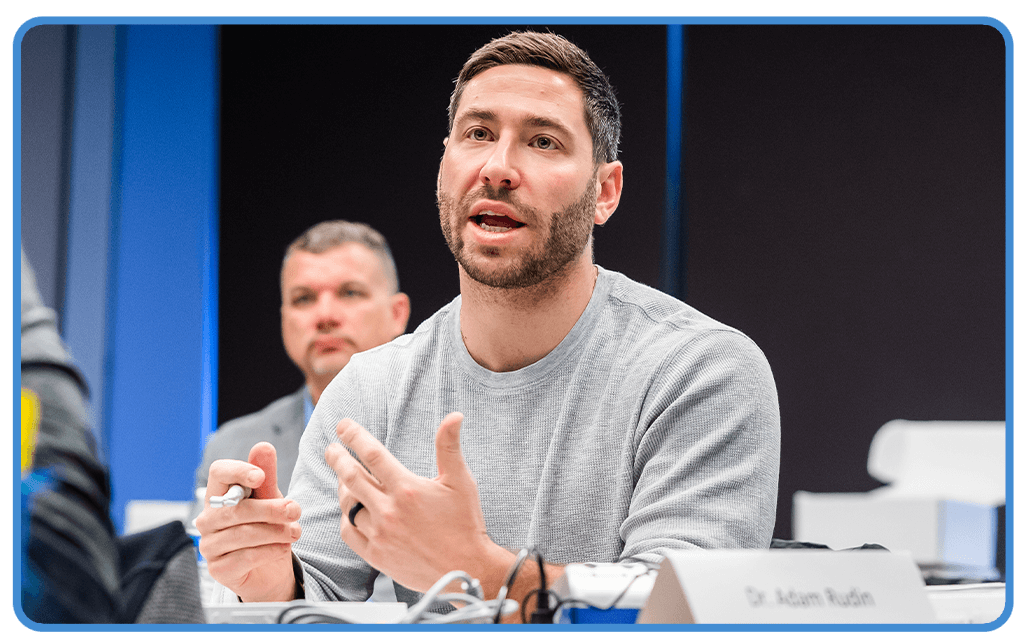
x=70, y=561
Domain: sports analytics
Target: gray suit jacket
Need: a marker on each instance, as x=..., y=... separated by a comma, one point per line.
x=281, y=423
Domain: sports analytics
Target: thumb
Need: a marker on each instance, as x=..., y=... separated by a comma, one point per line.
x=449, y=461
x=263, y=456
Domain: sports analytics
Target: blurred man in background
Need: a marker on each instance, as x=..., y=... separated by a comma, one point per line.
x=74, y=570
x=340, y=296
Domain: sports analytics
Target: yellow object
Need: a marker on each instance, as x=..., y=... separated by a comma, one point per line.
x=29, y=427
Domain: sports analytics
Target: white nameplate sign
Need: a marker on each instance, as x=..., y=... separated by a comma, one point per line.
x=788, y=587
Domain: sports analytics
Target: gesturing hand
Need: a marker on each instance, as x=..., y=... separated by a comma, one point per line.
x=412, y=528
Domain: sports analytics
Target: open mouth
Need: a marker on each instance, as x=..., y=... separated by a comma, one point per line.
x=495, y=223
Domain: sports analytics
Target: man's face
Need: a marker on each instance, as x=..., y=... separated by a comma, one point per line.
x=517, y=188
x=336, y=304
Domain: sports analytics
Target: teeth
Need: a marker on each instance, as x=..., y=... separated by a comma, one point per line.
x=484, y=213
x=492, y=229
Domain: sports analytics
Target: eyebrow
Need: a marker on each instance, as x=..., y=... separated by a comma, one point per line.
x=475, y=114
x=306, y=288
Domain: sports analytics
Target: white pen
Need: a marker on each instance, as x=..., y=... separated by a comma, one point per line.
x=235, y=494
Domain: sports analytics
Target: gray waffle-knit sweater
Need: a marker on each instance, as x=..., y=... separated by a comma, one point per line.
x=651, y=427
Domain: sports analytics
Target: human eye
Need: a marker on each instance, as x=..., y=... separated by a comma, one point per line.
x=303, y=299
x=545, y=143
x=349, y=293
x=479, y=134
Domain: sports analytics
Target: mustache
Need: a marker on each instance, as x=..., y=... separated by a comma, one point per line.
x=495, y=194
x=322, y=337
x=483, y=192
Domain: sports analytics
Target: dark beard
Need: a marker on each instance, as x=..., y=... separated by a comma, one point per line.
x=568, y=236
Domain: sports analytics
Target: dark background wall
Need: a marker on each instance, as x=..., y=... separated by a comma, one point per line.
x=323, y=122
x=843, y=189
x=846, y=210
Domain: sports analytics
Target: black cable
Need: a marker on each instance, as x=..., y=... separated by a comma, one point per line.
x=542, y=614
x=551, y=612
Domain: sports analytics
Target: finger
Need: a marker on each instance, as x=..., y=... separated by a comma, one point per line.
x=373, y=454
x=352, y=534
x=353, y=537
x=271, y=511
x=354, y=479
x=246, y=536
x=263, y=456
x=224, y=473
x=353, y=511
x=228, y=568
x=347, y=501
x=449, y=461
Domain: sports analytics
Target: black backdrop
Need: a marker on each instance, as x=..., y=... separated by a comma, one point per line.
x=843, y=191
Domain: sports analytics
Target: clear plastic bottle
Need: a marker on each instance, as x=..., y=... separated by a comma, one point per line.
x=207, y=583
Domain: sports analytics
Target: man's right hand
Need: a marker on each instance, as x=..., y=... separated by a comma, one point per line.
x=247, y=546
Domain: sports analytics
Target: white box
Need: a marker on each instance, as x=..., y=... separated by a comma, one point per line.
x=937, y=532
x=944, y=481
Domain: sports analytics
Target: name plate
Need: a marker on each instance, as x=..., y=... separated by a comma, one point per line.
x=788, y=587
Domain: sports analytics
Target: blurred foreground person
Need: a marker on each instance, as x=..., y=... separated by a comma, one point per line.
x=74, y=570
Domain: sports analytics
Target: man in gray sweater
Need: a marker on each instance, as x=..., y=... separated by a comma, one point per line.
x=553, y=403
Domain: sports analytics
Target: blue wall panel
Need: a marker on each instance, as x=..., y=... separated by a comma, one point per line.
x=164, y=215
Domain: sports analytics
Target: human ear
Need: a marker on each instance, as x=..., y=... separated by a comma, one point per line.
x=609, y=178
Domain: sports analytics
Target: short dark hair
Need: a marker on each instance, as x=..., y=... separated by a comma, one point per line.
x=327, y=235
x=552, y=52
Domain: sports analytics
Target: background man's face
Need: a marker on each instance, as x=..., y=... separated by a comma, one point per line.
x=336, y=304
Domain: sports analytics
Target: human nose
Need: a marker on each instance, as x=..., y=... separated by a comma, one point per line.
x=499, y=169
x=329, y=314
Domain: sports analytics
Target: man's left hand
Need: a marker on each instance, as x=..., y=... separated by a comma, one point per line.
x=411, y=528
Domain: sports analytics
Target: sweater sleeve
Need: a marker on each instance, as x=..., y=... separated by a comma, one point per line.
x=707, y=456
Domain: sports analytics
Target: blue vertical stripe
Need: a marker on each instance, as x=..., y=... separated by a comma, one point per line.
x=209, y=377
x=160, y=376
x=673, y=253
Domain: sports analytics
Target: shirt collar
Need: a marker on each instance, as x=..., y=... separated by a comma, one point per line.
x=309, y=406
